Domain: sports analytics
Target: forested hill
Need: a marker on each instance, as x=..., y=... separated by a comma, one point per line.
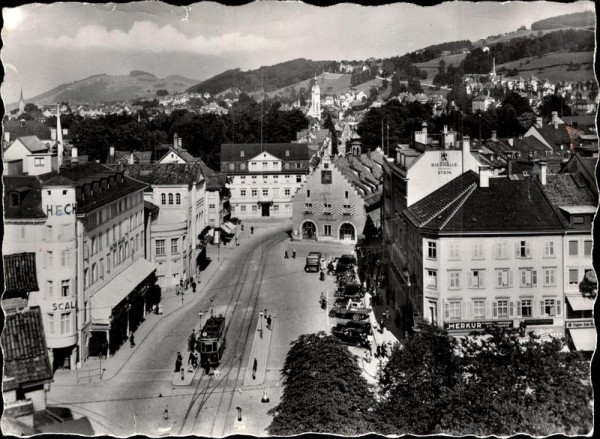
x=578, y=19
x=266, y=78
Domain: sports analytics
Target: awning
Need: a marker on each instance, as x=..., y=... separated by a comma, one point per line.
x=584, y=339
x=580, y=303
x=118, y=289
x=226, y=227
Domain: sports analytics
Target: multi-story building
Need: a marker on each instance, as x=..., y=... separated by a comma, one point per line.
x=486, y=251
x=263, y=177
x=85, y=226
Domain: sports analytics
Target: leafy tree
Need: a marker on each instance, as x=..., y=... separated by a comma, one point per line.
x=31, y=108
x=328, y=124
x=552, y=103
x=384, y=84
x=396, y=86
x=162, y=92
x=373, y=93
x=519, y=103
x=414, y=85
x=324, y=390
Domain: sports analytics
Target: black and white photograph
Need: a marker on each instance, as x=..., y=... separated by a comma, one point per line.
x=277, y=218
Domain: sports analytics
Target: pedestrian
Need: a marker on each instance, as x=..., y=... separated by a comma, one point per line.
x=269, y=320
x=382, y=326
x=242, y=227
x=294, y=254
x=387, y=314
x=131, y=340
x=155, y=309
x=252, y=230
x=322, y=276
x=236, y=240
x=193, y=287
x=254, y=369
x=193, y=360
x=178, y=362
x=383, y=350
x=378, y=351
x=182, y=371
x=192, y=341
x=198, y=345
x=160, y=309
x=286, y=256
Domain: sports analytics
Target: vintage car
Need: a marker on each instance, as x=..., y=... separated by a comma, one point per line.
x=313, y=261
x=351, y=290
x=362, y=325
x=345, y=263
x=353, y=310
x=353, y=336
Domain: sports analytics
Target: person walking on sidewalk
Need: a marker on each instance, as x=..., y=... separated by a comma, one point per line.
x=254, y=369
x=269, y=321
x=178, y=362
x=193, y=287
x=252, y=230
x=294, y=254
x=131, y=340
x=160, y=309
x=286, y=256
x=192, y=341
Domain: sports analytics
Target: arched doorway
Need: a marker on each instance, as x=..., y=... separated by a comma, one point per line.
x=309, y=230
x=347, y=232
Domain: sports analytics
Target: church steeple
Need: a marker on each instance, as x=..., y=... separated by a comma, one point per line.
x=21, y=103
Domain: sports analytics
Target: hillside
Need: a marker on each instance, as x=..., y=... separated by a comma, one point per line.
x=330, y=83
x=578, y=19
x=556, y=66
x=266, y=78
x=431, y=67
x=109, y=88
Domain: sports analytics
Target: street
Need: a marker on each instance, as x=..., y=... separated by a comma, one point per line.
x=250, y=278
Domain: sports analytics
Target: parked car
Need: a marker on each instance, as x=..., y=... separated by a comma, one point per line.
x=235, y=220
x=362, y=325
x=351, y=290
x=353, y=310
x=344, y=263
x=313, y=261
x=353, y=336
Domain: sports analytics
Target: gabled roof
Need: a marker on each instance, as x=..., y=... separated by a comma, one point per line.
x=185, y=156
x=529, y=144
x=123, y=157
x=232, y=152
x=33, y=144
x=555, y=136
x=18, y=128
x=20, y=275
x=24, y=348
x=506, y=206
x=30, y=195
x=564, y=190
x=164, y=173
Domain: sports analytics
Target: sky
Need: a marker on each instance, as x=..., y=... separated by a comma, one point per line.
x=46, y=45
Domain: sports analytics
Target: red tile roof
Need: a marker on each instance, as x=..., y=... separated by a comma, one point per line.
x=20, y=275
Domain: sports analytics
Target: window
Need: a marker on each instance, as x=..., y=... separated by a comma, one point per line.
x=275, y=193
x=174, y=243
x=49, y=288
x=242, y=154
x=504, y=278
x=65, y=287
x=48, y=232
x=38, y=161
x=242, y=192
x=500, y=309
x=65, y=323
x=528, y=277
x=550, y=307
x=454, y=251
x=287, y=192
x=160, y=247
x=524, y=308
x=549, y=277
x=578, y=220
x=108, y=263
x=265, y=192
x=479, y=309
x=49, y=259
x=100, y=240
x=287, y=177
x=523, y=249
x=242, y=167
x=478, y=250
x=288, y=207
x=346, y=195
x=15, y=199
x=549, y=249
x=573, y=276
x=587, y=248
x=502, y=250
x=308, y=194
x=431, y=250
x=298, y=179
x=454, y=279
x=65, y=260
x=275, y=207
x=212, y=206
x=102, y=268
x=177, y=198
x=254, y=192
x=254, y=208
x=232, y=166
x=432, y=279
x=287, y=153
x=264, y=165
x=573, y=248
x=50, y=323
x=327, y=209
x=242, y=208
x=94, y=273
x=170, y=199
x=287, y=166
x=453, y=310
x=326, y=177
x=477, y=279
x=327, y=230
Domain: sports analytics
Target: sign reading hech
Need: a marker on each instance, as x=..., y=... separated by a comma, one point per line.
x=444, y=166
x=61, y=210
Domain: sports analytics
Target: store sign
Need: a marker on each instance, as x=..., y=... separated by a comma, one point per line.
x=550, y=332
x=444, y=166
x=64, y=306
x=477, y=325
x=60, y=209
x=538, y=322
x=580, y=324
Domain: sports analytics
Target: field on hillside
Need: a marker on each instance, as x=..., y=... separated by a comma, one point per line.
x=554, y=66
x=431, y=66
x=330, y=83
x=513, y=35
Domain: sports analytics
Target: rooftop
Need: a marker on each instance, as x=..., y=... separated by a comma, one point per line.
x=20, y=275
x=33, y=144
x=28, y=191
x=165, y=173
x=284, y=151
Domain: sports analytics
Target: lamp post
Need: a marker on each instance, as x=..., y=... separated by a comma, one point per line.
x=260, y=331
x=182, y=292
x=200, y=313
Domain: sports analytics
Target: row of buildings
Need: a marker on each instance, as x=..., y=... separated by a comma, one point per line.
x=476, y=236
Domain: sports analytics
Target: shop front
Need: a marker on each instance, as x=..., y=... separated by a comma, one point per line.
x=121, y=306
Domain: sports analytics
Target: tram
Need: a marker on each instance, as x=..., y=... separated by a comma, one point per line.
x=212, y=342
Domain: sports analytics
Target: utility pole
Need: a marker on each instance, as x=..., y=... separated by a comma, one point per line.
x=382, y=142
x=388, y=139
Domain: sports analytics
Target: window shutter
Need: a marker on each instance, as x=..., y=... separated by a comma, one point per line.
x=470, y=274
x=517, y=249
x=558, y=308
x=541, y=307
x=512, y=309
x=463, y=310
x=446, y=311
x=481, y=279
x=494, y=309
x=528, y=249
x=534, y=277
x=519, y=308
x=510, y=278
x=469, y=314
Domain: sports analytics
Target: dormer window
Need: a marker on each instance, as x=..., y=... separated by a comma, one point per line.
x=287, y=153
x=242, y=154
x=15, y=199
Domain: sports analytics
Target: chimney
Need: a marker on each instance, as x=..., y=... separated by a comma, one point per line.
x=511, y=141
x=555, y=118
x=555, y=123
x=65, y=131
x=7, y=137
x=131, y=158
x=493, y=134
x=53, y=133
x=539, y=121
x=543, y=173
x=484, y=176
x=175, y=141
x=466, y=152
x=111, y=152
x=74, y=152
x=445, y=129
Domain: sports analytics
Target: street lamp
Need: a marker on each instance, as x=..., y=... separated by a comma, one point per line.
x=182, y=292
x=260, y=331
x=200, y=315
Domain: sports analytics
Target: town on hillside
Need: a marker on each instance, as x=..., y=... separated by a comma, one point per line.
x=359, y=246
